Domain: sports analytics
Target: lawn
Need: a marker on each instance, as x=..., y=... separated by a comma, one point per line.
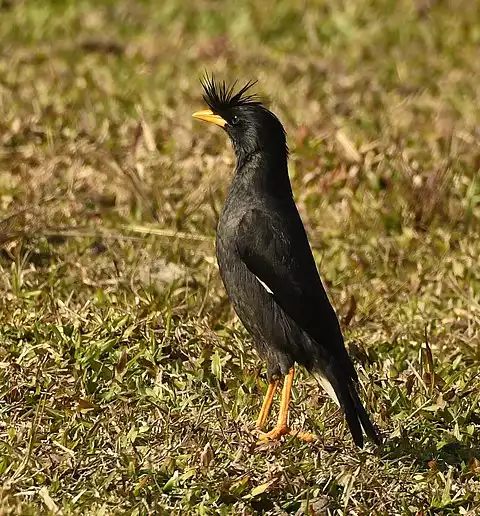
x=127, y=385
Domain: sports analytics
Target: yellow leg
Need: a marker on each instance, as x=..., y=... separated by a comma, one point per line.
x=267, y=403
x=282, y=427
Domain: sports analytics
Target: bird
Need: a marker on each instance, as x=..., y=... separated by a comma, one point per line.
x=267, y=266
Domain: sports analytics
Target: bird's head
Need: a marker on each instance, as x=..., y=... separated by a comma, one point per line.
x=249, y=124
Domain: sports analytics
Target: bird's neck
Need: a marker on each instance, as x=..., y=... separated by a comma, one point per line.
x=261, y=171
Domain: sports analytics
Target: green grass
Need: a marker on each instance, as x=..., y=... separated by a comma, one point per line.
x=127, y=386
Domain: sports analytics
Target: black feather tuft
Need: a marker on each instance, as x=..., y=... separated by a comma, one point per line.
x=221, y=97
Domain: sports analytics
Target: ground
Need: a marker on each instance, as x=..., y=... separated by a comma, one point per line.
x=127, y=386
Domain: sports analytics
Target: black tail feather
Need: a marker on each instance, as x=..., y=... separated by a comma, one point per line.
x=352, y=417
x=363, y=416
x=355, y=413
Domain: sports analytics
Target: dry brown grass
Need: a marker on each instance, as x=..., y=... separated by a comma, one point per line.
x=126, y=384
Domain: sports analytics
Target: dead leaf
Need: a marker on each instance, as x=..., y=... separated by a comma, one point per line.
x=83, y=404
x=206, y=456
x=122, y=361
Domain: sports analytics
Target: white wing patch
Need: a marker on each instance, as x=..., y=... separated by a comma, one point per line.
x=327, y=386
x=264, y=285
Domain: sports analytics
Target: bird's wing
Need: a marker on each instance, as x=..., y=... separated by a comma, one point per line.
x=288, y=271
x=283, y=262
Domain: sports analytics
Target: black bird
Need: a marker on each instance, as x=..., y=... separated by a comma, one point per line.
x=267, y=266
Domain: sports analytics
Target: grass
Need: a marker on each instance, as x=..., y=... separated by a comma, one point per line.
x=127, y=386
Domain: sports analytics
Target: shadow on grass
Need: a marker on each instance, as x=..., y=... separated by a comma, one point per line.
x=429, y=455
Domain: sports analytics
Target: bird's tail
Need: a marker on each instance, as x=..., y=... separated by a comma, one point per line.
x=367, y=425
x=345, y=395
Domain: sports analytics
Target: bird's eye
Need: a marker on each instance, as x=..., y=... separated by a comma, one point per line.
x=234, y=120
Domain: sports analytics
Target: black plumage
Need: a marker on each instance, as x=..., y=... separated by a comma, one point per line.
x=267, y=266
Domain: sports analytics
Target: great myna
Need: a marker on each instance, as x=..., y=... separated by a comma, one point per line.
x=268, y=268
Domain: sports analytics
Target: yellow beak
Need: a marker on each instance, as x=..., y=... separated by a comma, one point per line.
x=209, y=116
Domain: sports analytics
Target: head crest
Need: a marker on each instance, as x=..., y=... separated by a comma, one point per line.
x=221, y=97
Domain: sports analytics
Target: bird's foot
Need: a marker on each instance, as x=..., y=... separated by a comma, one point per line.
x=280, y=430
x=304, y=436
x=274, y=434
